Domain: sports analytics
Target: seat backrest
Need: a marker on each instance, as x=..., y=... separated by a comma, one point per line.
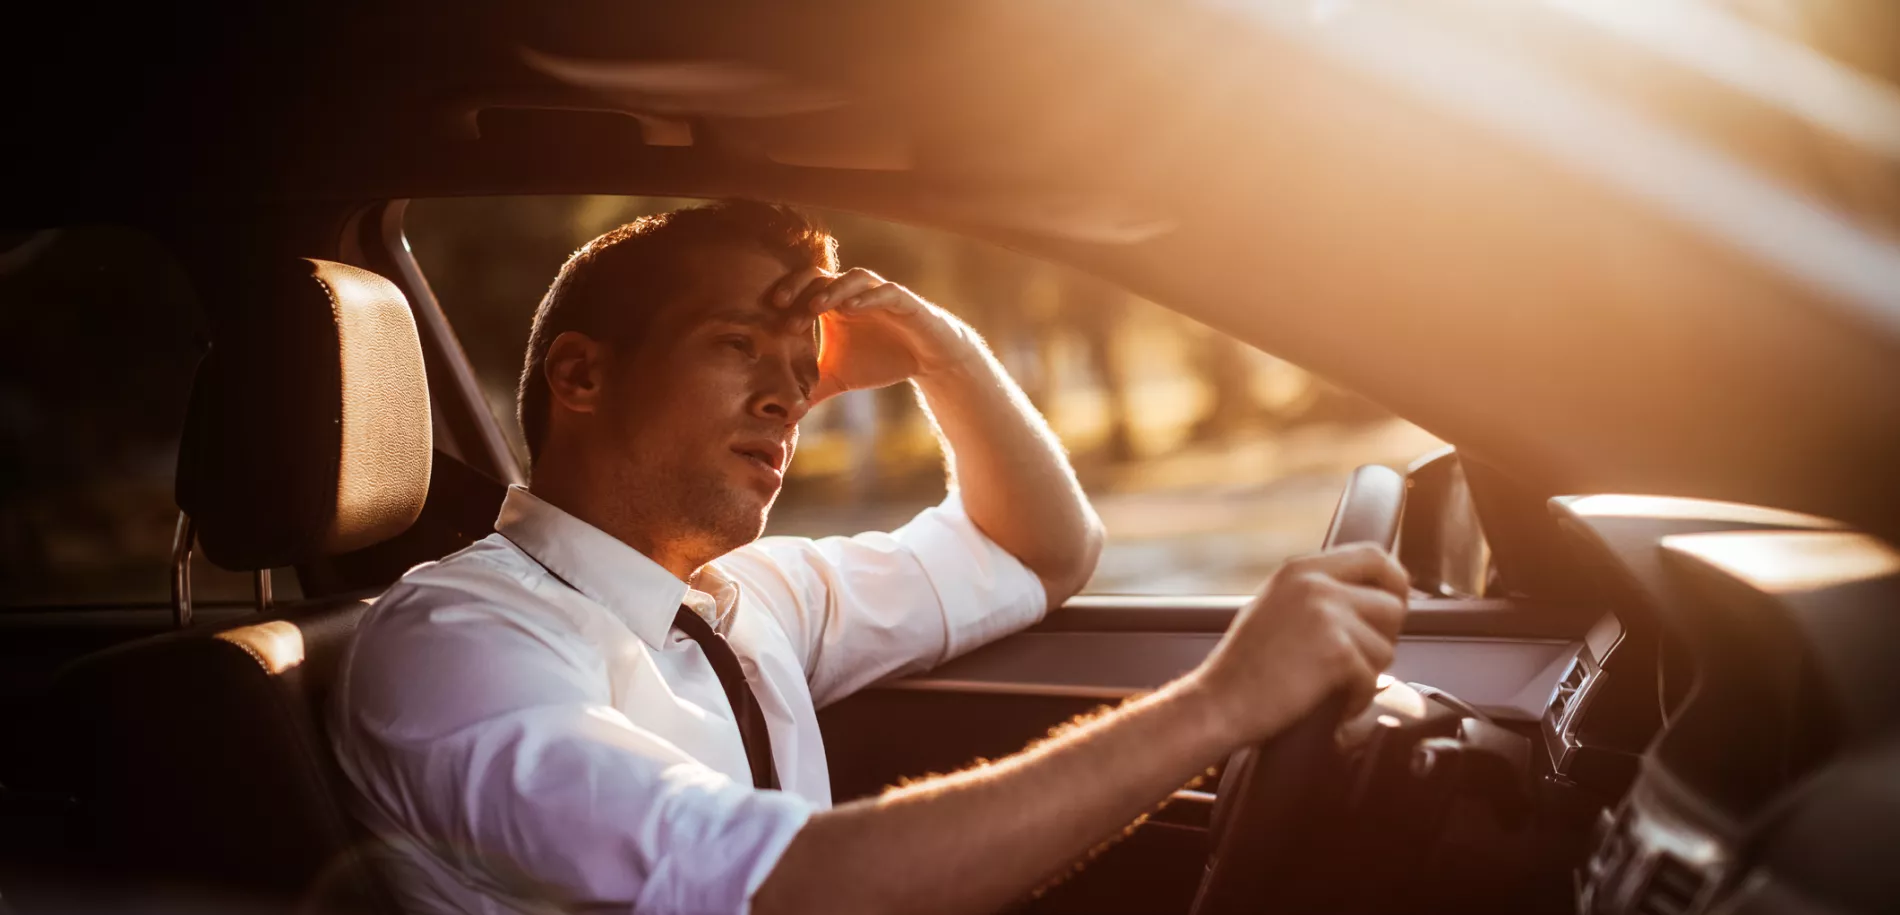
x=202, y=766
x=204, y=771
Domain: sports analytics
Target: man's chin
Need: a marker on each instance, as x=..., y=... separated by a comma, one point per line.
x=740, y=517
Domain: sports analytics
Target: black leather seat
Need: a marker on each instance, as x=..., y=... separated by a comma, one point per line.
x=201, y=766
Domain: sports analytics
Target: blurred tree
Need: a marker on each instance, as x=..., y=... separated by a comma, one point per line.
x=992, y=292
x=1223, y=365
x=1096, y=310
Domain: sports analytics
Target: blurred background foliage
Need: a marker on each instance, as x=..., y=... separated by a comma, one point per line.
x=1210, y=461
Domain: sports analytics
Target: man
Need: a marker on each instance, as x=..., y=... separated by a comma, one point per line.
x=609, y=704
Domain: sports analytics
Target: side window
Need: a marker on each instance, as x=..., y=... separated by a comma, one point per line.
x=102, y=337
x=1210, y=462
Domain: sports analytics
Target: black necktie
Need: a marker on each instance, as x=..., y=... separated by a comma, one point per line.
x=745, y=705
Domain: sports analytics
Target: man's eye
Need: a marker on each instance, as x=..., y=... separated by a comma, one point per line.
x=742, y=344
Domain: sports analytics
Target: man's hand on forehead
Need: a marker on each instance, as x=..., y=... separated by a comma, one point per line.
x=873, y=332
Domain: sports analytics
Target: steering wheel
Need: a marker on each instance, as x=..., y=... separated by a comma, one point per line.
x=1278, y=801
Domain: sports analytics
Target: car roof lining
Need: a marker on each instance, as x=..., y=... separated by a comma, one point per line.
x=1571, y=334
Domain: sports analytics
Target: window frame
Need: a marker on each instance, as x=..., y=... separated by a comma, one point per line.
x=464, y=426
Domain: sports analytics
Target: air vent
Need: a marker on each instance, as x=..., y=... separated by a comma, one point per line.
x=1672, y=889
x=1566, y=692
x=1601, y=873
x=1604, y=871
x=1613, y=855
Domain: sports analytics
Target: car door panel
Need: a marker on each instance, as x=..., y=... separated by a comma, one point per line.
x=1428, y=616
x=1506, y=678
x=1098, y=651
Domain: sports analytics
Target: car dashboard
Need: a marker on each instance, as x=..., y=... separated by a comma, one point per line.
x=1736, y=714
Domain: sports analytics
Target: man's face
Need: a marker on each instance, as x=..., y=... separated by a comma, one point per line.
x=705, y=408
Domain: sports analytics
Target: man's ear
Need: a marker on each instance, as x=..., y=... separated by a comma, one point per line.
x=576, y=369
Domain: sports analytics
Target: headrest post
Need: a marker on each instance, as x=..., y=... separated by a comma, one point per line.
x=261, y=580
x=182, y=539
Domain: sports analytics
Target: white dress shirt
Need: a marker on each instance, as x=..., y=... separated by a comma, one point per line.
x=526, y=731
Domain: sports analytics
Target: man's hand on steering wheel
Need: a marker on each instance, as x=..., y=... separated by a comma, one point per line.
x=1324, y=624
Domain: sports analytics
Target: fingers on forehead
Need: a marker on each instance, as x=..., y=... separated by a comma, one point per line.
x=804, y=275
x=786, y=290
x=851, y=284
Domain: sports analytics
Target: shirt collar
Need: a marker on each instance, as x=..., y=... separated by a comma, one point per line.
x=634, y=588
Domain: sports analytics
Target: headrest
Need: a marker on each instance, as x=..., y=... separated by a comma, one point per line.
x=308, y=432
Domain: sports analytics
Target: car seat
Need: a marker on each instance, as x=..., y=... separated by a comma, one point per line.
x=198, y=758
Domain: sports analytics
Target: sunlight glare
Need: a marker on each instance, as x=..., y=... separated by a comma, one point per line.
x=1785, y=562
x=1617, y=505
x=1768, y=67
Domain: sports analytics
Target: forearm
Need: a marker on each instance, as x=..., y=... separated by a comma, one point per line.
x=1016, y=482
x=974, y=841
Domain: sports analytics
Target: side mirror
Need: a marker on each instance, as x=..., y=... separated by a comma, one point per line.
x=1440, y=541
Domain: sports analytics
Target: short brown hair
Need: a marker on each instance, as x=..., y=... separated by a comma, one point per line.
x=611, y=288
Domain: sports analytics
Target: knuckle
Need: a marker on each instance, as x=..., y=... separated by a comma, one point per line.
x=1344, y=653
x=1307, y=584
x=1338, y=649
x=1314, y=616
x=1371, y=604
x=1299, y=563
x=1336, y=595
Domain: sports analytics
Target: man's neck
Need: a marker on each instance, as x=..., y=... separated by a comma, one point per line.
x=578, y=495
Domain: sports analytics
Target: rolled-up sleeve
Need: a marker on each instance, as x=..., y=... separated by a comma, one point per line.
x=858, y=609
x=487, y=742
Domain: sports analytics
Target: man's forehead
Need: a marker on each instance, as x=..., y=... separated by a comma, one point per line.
x=734, y=285
x=729, y=272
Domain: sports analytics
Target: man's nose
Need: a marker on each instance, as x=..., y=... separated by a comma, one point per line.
x=778, y=395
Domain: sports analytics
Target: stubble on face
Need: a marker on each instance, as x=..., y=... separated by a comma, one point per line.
x=678, y=401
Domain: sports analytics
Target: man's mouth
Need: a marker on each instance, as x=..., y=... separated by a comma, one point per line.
x=769, y=455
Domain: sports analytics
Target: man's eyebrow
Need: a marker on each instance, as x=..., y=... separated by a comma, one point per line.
x=751, y=317
x=777, y=321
